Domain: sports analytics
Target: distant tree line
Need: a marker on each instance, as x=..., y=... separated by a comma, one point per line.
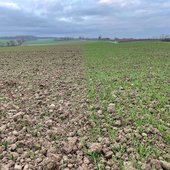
x=63, y=38
x=165, y=38
x=12, y=43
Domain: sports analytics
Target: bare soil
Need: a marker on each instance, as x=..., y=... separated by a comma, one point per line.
x=42, y=110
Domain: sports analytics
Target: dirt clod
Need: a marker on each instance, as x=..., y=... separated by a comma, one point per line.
x=165, y=165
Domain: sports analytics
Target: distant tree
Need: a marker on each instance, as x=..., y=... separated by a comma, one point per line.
x=7, y=44
x=20, y=41
x=1, y=44
x=11, y=43
x=100, y=37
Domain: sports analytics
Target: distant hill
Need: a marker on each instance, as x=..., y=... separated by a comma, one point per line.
x=21, y=37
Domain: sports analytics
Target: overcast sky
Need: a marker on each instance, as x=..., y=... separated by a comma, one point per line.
x=109, y=18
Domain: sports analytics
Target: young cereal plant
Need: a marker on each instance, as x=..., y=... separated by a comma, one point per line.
x=54, y=137
x=95, y=156
x=30, y=154
x=2, y=114
x=110, y=129
x=5, y=144
x=111, y=132
x=96, y=128
x=35, y=133
x=133, y=115
x=84, y=144
x=11, y=157
x=143, y=150
x=139, y=121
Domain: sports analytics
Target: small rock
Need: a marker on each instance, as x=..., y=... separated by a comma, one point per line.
x=116, y=146
x=165, y=165
x=130, y=150
x=27, y=119
x=55, y=157
x=70, y=165
x=50, y=164
x=146, y=166
x=13, y=147
x=38, y=160
x=127, y=130
x=17, y=167
x=3, y=128
x=58, y=131
x=110, y=162
x=4, y=167
x=100, y=139
x=52, y=106
x=108, y=154
x=118, y=155
x=144, y=134
x=123, y=139
x=65, y=158
x=26, y=167
x=70, y=145
x=155, y=164
x=1, y=149
x=83, y=167
x=107, y=167
x=51, y=110
x=95, y=147
x=15, y=154
x=99, y=112
x=128, y=135
x=16, y=116
x=117, y=123
x=15, y=133
x=129, y=166
x=86, y=161
x=49, y=123
x=111, y=108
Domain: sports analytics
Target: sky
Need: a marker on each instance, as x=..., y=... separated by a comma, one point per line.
x=87, y=18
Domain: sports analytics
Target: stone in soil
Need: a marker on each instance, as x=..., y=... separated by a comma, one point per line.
x=165, y=165
x=95, y=147
x=17, y=167
x=70, y=145
x=111, y=108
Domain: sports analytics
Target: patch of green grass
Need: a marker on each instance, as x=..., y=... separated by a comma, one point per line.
x=134, y=76
x=96, y=159
x=35, y=133
x=11, y=157
x=5, y=144
x=30, y=154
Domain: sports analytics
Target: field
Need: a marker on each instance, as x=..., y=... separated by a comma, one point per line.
x=2, y=42
x=41, y=42
x=89, y=105
x=48, y=42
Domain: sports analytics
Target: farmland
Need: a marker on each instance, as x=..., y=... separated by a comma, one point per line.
x=48, y=42
x=89, y=105
x=38, y=42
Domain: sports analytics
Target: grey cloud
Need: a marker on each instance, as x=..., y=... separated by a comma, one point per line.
x=87, y=18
